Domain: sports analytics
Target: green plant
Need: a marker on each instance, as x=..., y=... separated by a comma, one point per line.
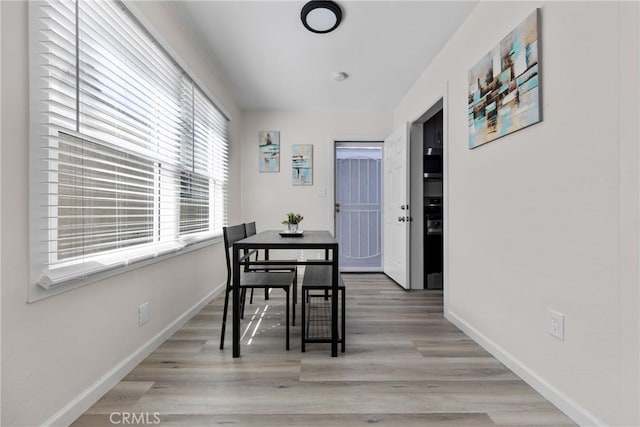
x=293, y=218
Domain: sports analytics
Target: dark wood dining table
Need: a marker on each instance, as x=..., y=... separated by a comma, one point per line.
x=272, y=240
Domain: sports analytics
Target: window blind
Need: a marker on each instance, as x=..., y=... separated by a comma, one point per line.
x=129, y=155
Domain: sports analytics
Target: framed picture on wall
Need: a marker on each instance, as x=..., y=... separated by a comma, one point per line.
x=269, y=151
x=504, y=87
x=302, y=164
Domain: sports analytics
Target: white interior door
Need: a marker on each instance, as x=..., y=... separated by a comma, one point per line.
x=396, y=206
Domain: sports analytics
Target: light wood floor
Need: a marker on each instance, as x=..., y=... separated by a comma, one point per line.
x=405, y=365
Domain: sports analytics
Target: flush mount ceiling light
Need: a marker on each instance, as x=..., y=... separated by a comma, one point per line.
x=321, y=16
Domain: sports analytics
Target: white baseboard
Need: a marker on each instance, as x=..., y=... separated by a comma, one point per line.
x=576, y=412
x=91, y=395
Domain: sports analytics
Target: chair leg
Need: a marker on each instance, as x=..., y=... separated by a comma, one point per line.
x=243, y=298
x=287, y=319
x=295, y=294
x=344, y=312
x=266, y=294
x=251, y=297
x=293, y=322
x=295, y=286
x=224, y=317
x=303, y=328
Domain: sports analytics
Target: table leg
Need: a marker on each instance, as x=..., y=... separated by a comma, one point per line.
x=236, y=302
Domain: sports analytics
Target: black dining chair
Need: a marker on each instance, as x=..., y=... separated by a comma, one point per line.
x=255, y=265
x=251, y=279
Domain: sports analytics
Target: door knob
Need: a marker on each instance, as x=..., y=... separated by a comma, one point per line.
x=337, y=207
x=401, y=219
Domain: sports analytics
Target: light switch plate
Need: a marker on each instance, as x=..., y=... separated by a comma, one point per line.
x=143, y=313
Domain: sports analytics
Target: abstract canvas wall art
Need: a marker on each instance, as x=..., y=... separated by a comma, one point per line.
x=302, y=165
x=504, y=87
x=269, y=151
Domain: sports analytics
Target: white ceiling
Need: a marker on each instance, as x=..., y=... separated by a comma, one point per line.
x=272, y=62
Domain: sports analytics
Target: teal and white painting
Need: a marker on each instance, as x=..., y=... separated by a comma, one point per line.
x=504, y=87
x=269, y=151
x=302, y=165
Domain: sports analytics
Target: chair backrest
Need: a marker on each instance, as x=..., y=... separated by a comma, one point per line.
x=250, y=228
x=231, y=235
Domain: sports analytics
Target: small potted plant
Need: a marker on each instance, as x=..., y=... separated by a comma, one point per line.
x=292, y=221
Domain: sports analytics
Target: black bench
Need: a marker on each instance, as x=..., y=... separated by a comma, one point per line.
x=316, y=317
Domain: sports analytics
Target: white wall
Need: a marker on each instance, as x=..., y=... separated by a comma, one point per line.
x=56, y=349
x=0, y=226
x=266, y=197
x=548, y=217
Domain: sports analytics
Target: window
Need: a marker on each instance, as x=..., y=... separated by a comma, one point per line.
x=128, y=154
x=105, y=201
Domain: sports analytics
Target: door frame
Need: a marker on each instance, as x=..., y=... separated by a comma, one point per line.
x=428, y=109
x=378, y=144
x=331, y=175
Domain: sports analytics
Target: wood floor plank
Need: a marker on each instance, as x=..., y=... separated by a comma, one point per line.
x=406, y=369
x=123, y=396
x=333, y=420
x=405, y=365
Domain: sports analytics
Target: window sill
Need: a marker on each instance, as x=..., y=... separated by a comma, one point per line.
x=69, y=276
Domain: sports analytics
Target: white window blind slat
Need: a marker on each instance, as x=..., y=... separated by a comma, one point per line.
x=131, y=155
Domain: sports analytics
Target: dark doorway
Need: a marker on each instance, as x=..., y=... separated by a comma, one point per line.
x=433, y=195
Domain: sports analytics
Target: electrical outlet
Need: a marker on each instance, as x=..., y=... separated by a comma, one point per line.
x=143, y=313
x=555, y=324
